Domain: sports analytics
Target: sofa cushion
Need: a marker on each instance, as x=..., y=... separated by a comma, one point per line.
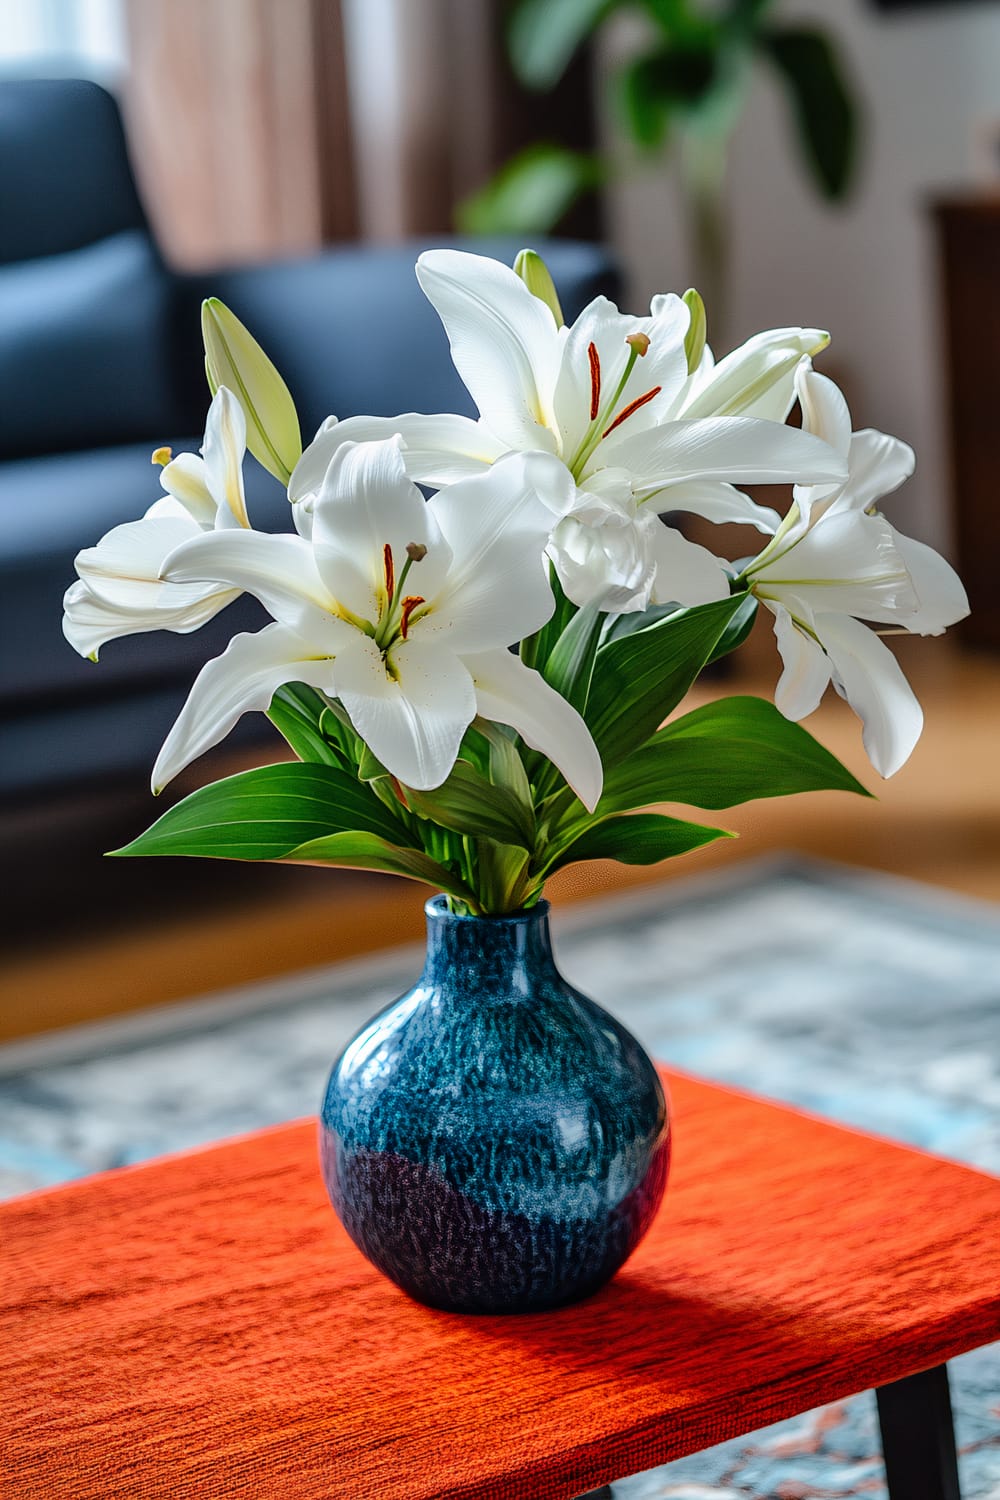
x=65, y=179
x=86, y=347
x=52, y=507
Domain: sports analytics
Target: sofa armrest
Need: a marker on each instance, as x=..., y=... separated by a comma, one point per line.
x=351, y=331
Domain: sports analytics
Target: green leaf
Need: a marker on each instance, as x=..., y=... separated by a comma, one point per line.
x=296, y=711
x=544, y=34
x=267, y=812
x=640, y=839
x=469, y=804
x=503, y=881
x=640, y=678
x=536, y=649
x=570, y=666
x=735, y=750
x=366, y=851
x=668, y=81
x=822, y=102
x=504, y=765
x=736, y=631
x=531, y=192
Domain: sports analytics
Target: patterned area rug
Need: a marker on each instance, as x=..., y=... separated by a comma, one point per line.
x=871, y=1001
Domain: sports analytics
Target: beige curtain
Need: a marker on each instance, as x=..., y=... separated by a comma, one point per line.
x=269, y=127
x=239, y=123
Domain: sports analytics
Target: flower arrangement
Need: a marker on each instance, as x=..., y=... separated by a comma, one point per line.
x=426, y=745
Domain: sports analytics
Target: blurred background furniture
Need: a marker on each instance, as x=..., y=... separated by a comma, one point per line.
x=968, y=229
x=100, y=363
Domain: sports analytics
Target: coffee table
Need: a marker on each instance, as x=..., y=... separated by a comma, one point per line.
x=202, y=1327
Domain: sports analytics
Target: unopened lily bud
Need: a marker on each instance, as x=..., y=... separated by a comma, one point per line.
x=416, y=551
x=162, y=456
x=234, y=359
x=694, y=339
x=639, y=342
x=538, y=279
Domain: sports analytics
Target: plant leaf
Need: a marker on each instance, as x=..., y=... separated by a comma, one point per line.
x=641, y=677
x=296, y=711
x=822, y=102
x=735, y=750
x=638, y=839
x=469, y=804
x=366, y=851
x=544, y=34
x=266, y=813
x=531, y=192
x=570, y=666
x=667, y=81
x=737, y=630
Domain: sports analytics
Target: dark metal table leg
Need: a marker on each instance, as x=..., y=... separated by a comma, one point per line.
x=918, y=1437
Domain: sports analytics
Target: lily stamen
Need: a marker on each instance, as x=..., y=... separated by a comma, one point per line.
x=389, y=569
x=633, y=406
x=410, y=603
x=595, y=381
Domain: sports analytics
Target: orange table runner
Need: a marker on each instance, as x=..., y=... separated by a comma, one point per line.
x=202, y=1327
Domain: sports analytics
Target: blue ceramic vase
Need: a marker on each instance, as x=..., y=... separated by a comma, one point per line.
x=494, y=1142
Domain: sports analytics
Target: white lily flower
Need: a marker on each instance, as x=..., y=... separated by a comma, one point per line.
x=605, y=394
x=836, y=562
x=119, y=591
x=401, y=608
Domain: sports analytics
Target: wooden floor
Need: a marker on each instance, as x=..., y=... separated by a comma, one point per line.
x=937, y=821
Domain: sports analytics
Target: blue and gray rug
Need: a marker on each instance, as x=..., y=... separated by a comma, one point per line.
x=871, y=1001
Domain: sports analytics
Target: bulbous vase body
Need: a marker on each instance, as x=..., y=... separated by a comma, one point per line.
x=494, y=1142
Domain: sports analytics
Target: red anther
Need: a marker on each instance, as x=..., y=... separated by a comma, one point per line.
x=390, y=571
x=409, y=604
x=595, y=380
x=627, y=411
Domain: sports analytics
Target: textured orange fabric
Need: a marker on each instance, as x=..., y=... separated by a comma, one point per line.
x=202, y=1327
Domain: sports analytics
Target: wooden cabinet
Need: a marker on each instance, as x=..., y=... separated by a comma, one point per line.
x=969, y=245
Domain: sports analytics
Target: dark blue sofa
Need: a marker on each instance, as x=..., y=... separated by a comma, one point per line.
x=100, y=362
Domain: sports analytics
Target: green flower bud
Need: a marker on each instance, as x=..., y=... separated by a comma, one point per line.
x=234, y=358
x=538, y=279
x=694, y=339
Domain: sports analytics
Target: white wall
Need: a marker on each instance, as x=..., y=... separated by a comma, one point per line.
x=931, y=82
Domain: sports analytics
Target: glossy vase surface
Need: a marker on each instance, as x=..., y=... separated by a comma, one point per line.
x=494, y=1142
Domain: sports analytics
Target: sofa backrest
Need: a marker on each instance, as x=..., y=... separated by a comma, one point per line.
x=85, y=300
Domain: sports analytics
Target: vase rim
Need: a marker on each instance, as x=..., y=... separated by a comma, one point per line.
x=436, y=910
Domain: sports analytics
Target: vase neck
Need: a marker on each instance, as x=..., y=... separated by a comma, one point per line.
x=491, y=953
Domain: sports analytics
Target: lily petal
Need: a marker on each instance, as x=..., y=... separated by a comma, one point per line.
x=879, y=464
x=849, y=562
x=939, y=593
x=224, y=448
x=365, y=505
x=244, y=678
x=279, y=570
x=824, y=411
x=807, y=668
x=867, y=674
x=584, y=377
x=123, y=570
x=492, y=595
x=755, y=380
x=89, y=623
x=437, y=449
x=184, y=478
x=716, y=502
x=685, y=573
x=503, y=341
x=510, y=693
x=413, y=718
x=742, y=450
